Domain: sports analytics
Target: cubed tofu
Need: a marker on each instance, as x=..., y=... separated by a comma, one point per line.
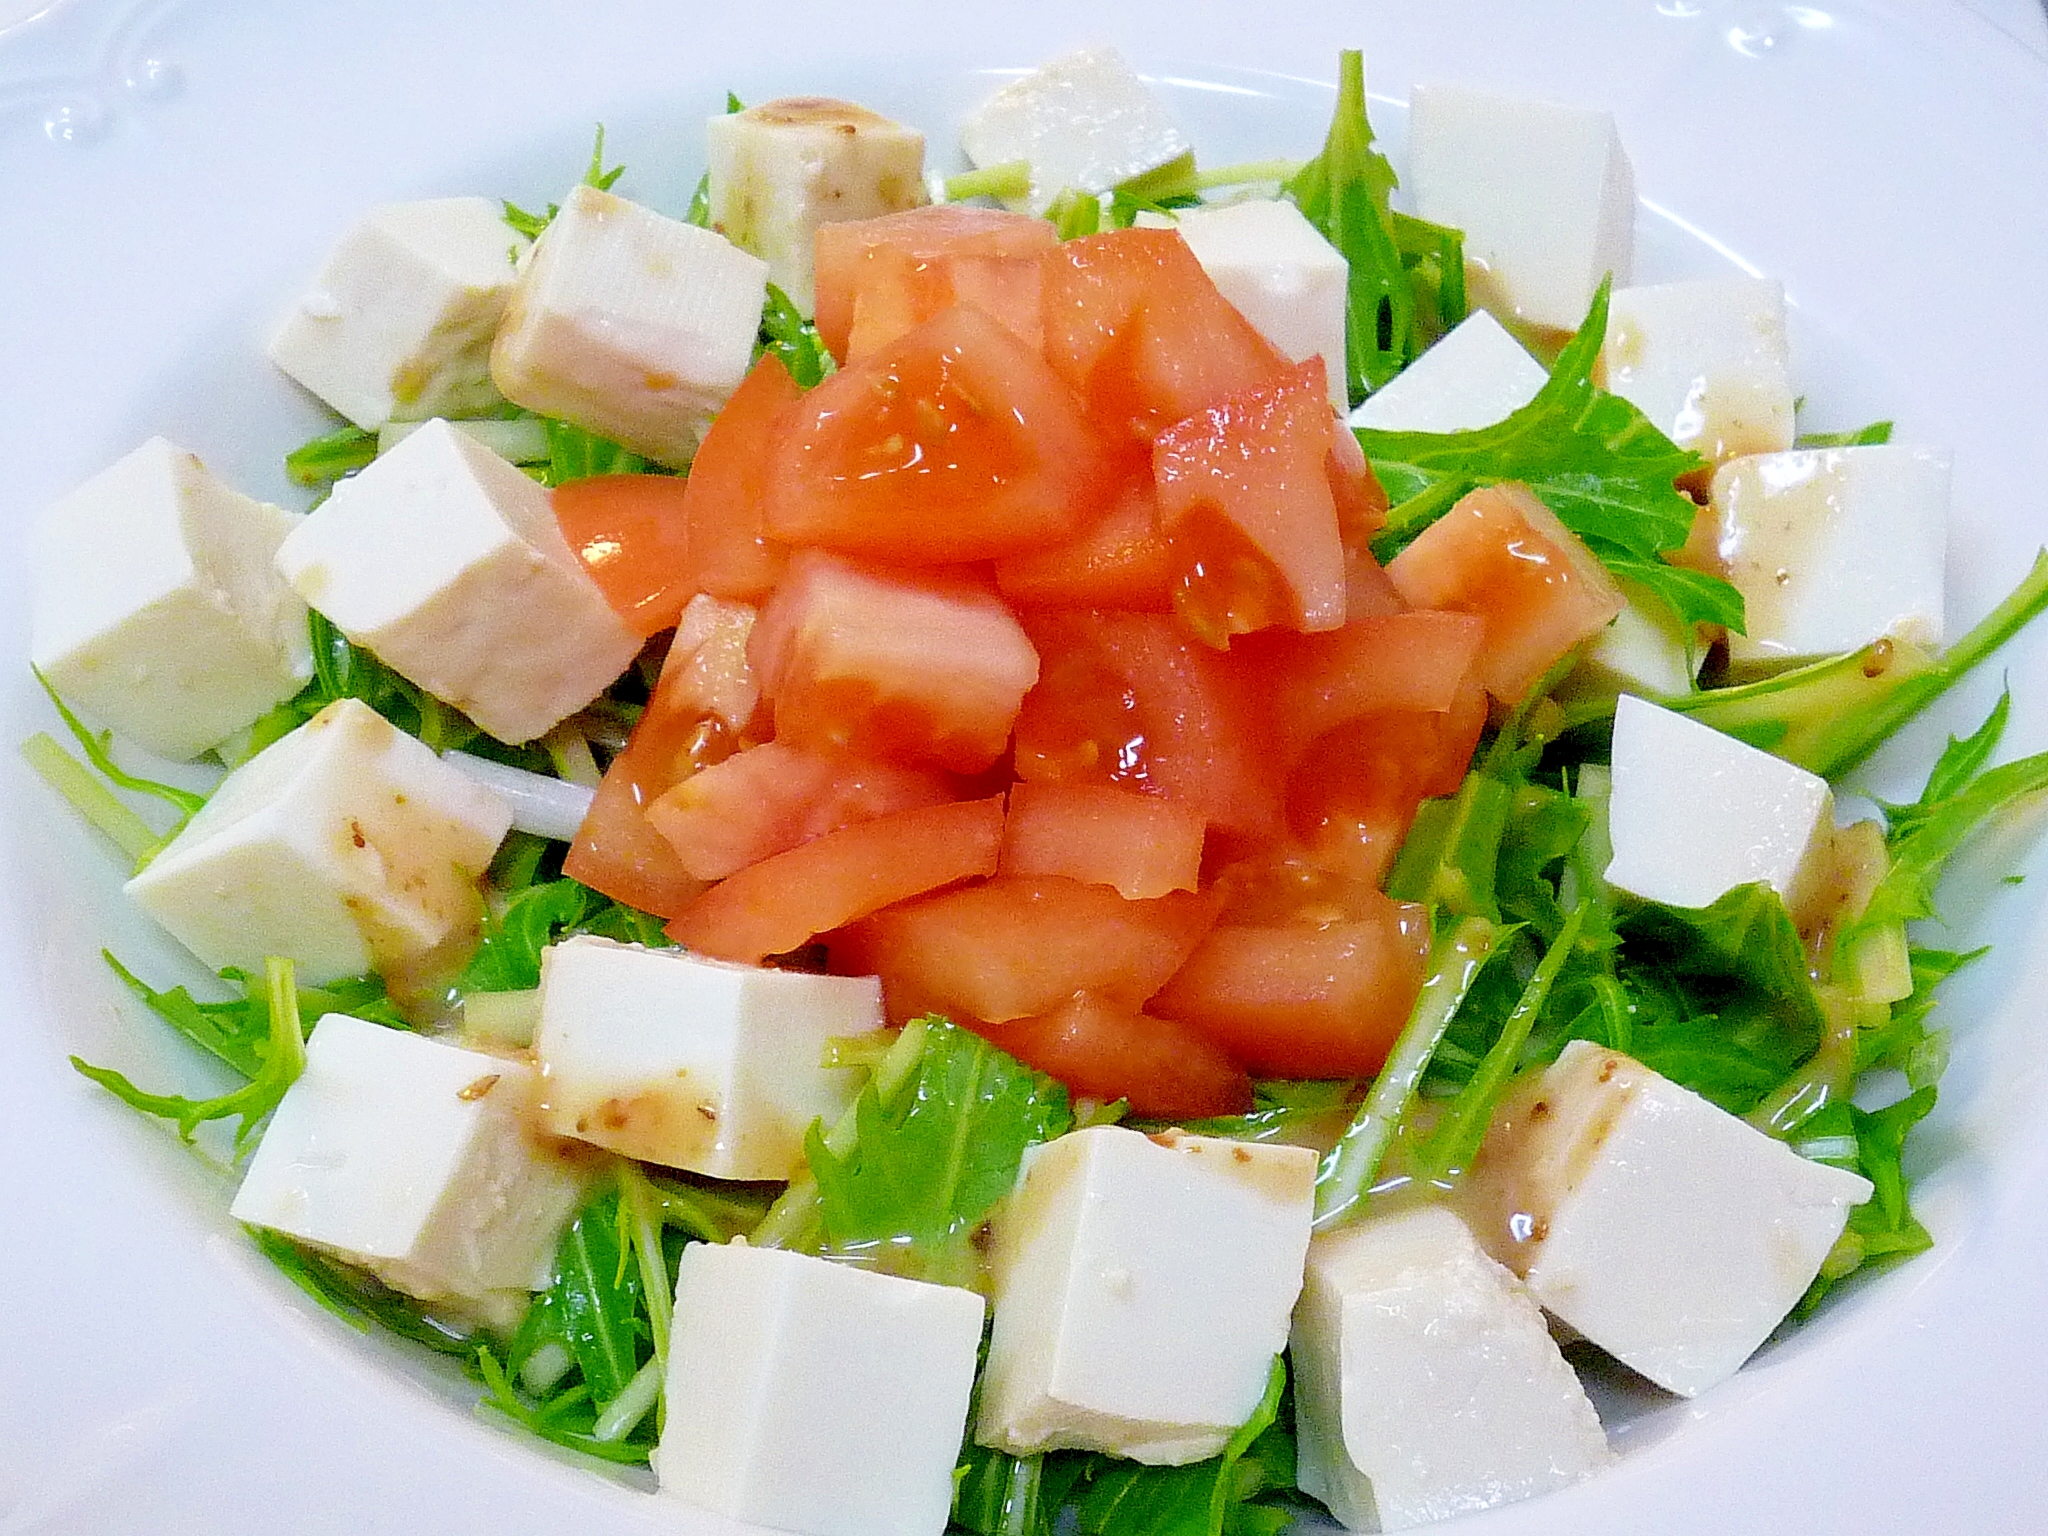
x=1706, y=361
x=815, y=1396
x=1696, y=813
x=398, y=325
x=416, y=1159
x=1645, y=650
x=778, y=171
x=636, y=326
x=694, y=1063
x=448, y=564
x=1475, y=375
x=1833, y=548
x=157, y=607
x=1426, y=1383
x=1142, y=1289
x=347, y=846
x=1662, y=1228
x=1543, y=192
x=1282, y=275
x=1084, y=121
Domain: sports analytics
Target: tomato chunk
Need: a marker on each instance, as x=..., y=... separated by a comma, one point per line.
x=632, y=535
x=1138, y=330
x=1106, y=1051
x=770, y=798
x=1502, y=554
x=731, y=555
x=1138, y=845
x=1301, y=1000
x=1121, y=560
x=1127, y=699
x=1245, y=501
x=890, y=274
x=925, y=668
x=1016, y=946
x=783, y=902
x=1417, y=660
x=953, y=443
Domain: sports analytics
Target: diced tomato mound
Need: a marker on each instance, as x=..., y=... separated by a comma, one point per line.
x=632, y=535
x=1501, y=554
x=1107, y=1051
x=878, y=278
x=955, y=442
x=725, y=496
x=1137, y=845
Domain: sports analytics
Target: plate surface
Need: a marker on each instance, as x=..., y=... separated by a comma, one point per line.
x=172, y=170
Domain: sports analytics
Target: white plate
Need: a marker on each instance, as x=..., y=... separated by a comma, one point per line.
x=168, y=171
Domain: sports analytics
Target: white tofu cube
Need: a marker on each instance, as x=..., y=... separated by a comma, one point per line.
x=347, y=845
x=1426, y=1383
x=448, y=563
x=814, y=1396
x=1644, y=650
x=1543, y=192
x=632, y=325
x=1282, y=275
x=1662, y=1228
x=1475, y=375
x=1142, y=1289
x=417, y=1160
x=1706, y=361
x=694, y=1063
x=398, y=325
x=1084, y=121
x=779, y=170
x=157, y=607
x=1696, y=813
x=1832, y=548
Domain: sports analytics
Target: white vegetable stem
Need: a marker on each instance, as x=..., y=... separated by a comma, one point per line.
x=543, y=806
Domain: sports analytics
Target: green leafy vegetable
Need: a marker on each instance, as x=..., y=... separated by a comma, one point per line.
x=793, y=339
x=237, y=1030
x=577, y=454
x=320, y=461
x=507, y=958
x=1871, y=1143
x=359, y=1298
x=1877, y=432
x=531, y=224
x=92, y=799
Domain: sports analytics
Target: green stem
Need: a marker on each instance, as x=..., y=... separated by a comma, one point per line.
x=89, y=797
x=1008, y=181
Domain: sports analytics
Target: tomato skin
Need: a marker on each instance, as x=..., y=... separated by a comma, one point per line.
x=1303, y=1001
x=1128, y=699
x=918, y=667
x=783, y=902
x=731, y=555
x=954, y=443
x=632, y=534
x=897, y=271
x=1120, y=560
x=1014, y=946
x=769, y=798
x=1246, y=504
x=1137, y=845
x=1139, y=331
x=1106, y=1051
x=1502, y=554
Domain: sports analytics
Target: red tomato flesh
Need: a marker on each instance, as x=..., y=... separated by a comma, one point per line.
x=1418, y=660
x=731, y=555
x=1106, y=1051
x=1502, y=554
x=903, y=268
x=1137, y=845
x=773, y=797
x=783, y=902
x=1121, y=560
x=953, y=443
x=919, y=667
x=1014, y=946
x=632, y=534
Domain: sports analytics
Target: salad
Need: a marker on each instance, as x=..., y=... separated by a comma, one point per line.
x=1472, y=854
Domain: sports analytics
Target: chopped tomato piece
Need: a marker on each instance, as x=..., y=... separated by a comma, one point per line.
x=1502, y=554
x=890, y=274
x=1127, y=699
x=1139, y=845
x=1245, y=502
x=706, y=674
x=783, y=902
x=1300, y=1000
x=1417, y=660
x=1107, y=1051
x=953, y=443
x=920, y=667
x=1138, y=330
x=1361, y=499
x=772, y=797
x=731, y=555
x=1012, y=947
x=1121, y=560
x=632, y=535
